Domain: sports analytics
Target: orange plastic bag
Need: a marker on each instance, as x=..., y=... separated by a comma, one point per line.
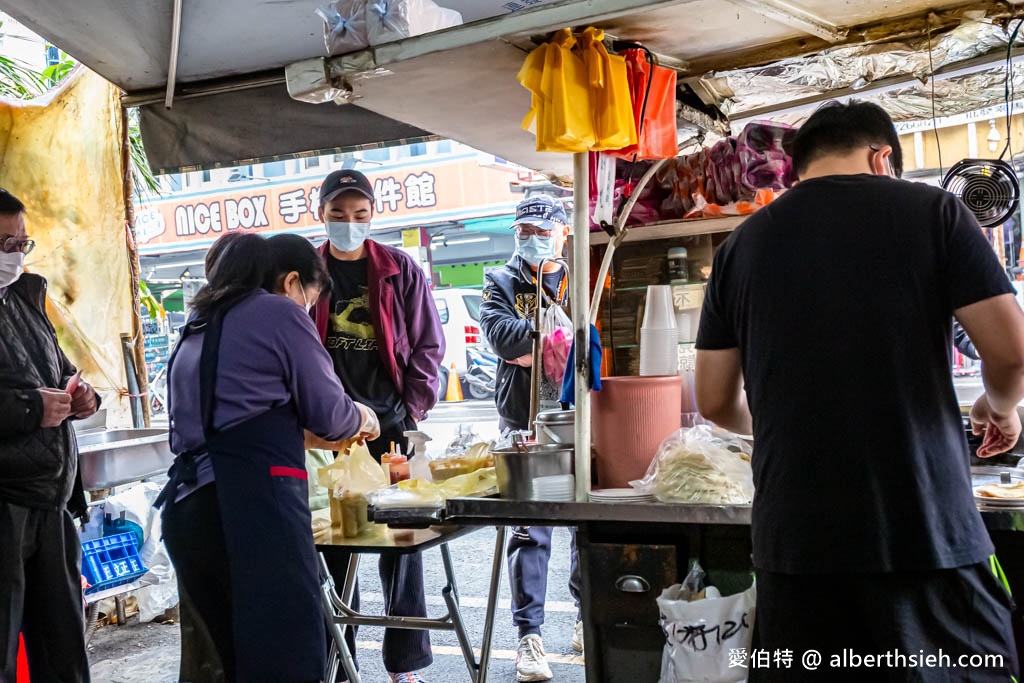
x=610, y=97
x=655, y=123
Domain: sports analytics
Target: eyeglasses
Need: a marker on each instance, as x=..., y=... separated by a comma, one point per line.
x=13, y=244
x=527, y=230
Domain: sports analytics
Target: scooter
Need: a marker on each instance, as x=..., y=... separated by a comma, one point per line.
x=481, y=371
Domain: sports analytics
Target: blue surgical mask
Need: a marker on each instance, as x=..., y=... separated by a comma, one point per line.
x=535, y=249
x=347, y=236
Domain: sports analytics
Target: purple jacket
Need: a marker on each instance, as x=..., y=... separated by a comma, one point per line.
x=405, y=322
x=269, y=356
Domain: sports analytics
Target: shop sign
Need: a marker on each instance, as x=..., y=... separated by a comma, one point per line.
x=290, y=206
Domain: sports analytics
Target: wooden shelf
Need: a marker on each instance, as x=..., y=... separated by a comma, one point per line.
x=670, y=229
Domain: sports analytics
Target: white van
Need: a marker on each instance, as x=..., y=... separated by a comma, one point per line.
x=459, y=310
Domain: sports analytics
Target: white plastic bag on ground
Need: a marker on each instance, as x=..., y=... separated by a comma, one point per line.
x=137, y=505
x=390, y=20
x=703, y=638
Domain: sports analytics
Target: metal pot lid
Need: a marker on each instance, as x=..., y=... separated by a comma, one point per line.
x=982, y=476
x=557, y=417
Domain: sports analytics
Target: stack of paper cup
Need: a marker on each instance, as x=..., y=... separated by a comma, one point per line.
x=659, y=340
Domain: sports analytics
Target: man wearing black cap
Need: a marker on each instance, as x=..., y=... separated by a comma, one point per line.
x=506, y=316
x=381, y=327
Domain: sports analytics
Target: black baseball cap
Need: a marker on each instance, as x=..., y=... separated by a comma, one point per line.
x=345, y=180
x=542, y=210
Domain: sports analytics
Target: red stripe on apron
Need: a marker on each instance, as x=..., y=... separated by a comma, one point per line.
x=289, y=472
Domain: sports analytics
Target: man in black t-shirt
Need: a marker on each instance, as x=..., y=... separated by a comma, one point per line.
x=865, y=533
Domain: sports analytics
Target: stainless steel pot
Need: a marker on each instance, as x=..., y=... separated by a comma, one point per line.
x=517, y=467
x=556, y=427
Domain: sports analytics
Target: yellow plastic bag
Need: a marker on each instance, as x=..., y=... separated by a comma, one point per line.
x=610, y=99
x=560, y=113
x=475, y=483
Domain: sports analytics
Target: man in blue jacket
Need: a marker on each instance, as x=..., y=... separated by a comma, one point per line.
x=506, y=316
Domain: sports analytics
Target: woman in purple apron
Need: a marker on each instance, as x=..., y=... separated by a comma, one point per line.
x=246, y=377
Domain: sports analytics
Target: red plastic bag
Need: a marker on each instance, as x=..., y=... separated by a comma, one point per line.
x=657, y=122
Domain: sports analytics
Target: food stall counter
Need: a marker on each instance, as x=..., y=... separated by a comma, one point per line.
x=497, y=511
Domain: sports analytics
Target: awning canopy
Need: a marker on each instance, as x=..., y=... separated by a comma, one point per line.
x=231, y=102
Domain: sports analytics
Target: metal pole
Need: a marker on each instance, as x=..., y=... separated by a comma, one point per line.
x=581, y=317
x=172, y=61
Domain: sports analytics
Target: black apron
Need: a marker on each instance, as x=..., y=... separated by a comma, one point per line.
x=261, y=485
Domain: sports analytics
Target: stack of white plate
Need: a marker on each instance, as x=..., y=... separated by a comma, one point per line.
x=997, y=504
x=621, y=496
x=557, y=488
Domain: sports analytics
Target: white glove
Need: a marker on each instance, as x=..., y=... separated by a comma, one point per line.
x=370, y=428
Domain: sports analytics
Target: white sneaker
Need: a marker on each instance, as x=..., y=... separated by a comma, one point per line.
x=577, y=637
x=531, y=660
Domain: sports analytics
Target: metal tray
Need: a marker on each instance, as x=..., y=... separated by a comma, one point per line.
x=121, y=456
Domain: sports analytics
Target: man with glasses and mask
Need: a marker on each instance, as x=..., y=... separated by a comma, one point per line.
x=381, y=326
x=826, y=332
x=40, y=490
x=509, y=303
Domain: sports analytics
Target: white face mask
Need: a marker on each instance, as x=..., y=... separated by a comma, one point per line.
x=347, y=236
x=11, y=268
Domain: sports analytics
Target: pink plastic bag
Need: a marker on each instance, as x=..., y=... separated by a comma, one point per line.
x=556, y=354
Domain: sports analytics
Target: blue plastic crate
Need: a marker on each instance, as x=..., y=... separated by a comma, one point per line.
x=111, y=561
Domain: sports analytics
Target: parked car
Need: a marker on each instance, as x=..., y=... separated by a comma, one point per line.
x=459, y=311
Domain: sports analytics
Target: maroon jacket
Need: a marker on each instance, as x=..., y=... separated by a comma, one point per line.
x=405, y=323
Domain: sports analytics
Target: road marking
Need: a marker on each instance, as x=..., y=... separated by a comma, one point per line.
x=575, y=660
x=478, y=603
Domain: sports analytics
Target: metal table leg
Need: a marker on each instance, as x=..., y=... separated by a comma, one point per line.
x=450, y=593
x=328, y=598
x=340, y=615
x=492, y=603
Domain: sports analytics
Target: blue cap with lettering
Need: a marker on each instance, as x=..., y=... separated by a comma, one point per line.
x=541, y=210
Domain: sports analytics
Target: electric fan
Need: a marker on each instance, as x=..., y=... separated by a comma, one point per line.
x=988, y=187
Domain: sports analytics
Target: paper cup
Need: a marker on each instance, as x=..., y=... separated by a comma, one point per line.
x=659, y=312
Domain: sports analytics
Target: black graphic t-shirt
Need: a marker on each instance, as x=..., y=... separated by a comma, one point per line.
x=353, y=345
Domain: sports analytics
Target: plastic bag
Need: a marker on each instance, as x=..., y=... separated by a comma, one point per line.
x=391, y=20
x=483, y=481
x=700, y=465
x=136, y=503
x=473, y=458
x=408, y=494
x=653, y=93
x=610, y=101
x=364, y=473
x=357, y=472
x=560, y=113
x=700, y=633
x=556, y=341
x=345, y=27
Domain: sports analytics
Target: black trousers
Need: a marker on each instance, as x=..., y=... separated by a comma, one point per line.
x=401, y=577
x=194, y=539
x=950, y=613
x=41, y=595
